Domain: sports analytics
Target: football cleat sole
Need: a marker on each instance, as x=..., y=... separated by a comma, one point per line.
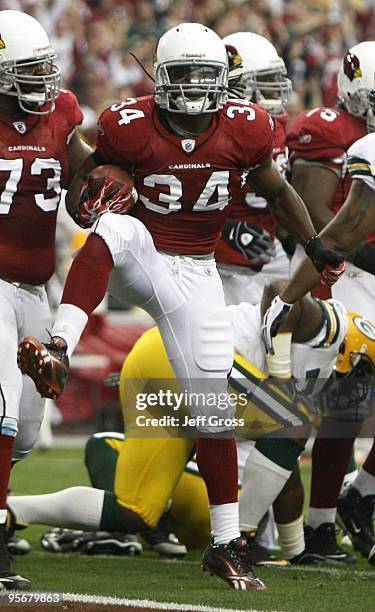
x=35, y=360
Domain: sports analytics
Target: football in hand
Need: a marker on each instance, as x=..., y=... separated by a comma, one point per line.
x=122, y=182
x=107, y=188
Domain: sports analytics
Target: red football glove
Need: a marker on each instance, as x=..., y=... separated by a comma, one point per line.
x=112, y=196
x=330, y=275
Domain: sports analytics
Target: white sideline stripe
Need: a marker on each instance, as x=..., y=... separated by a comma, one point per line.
x=334, y=571
x=147, y=603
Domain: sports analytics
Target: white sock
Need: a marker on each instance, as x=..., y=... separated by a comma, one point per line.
x=70, y=323
x=262, y=482
x=224, y=522
x=318, y=516
x=364, y=483
x=291, y=537
x=73, y=508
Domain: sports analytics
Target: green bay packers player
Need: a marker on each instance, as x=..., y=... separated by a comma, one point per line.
x=148, y=472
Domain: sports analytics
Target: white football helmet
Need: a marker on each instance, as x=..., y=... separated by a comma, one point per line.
x=257, y=72
x=356, y=81
x=191, y=70
x=27, y=70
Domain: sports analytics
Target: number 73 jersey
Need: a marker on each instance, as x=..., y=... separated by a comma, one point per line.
x=185, y=183
x=33, y=171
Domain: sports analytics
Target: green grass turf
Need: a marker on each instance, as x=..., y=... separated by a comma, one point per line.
x=325, y=588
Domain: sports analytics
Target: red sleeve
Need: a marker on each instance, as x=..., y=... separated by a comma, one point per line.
x=68, y=102
x=320, y=134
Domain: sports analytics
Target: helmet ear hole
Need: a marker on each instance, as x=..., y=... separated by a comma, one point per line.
x=342, y=348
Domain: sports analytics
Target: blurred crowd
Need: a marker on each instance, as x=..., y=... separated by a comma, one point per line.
x=95, y=40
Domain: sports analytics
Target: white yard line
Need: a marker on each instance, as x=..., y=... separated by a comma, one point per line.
x=147, y=603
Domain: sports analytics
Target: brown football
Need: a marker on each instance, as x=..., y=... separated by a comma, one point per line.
x=123, y=181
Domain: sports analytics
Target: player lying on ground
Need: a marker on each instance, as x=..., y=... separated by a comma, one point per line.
x=148, y=470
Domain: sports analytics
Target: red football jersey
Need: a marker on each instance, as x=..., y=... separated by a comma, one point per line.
x=184, y=183
x=248, y=206
x=325, y=135
x=33, y=170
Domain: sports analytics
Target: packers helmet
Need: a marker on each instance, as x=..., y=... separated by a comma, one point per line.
x=359, y=341
x=346, y=391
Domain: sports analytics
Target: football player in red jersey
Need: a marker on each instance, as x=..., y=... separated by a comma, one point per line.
x=187, y=148
x=249, y=255
x=318, y=144
x=39, y=146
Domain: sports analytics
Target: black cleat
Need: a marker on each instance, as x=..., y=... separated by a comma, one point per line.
x=59, y=540
x=47, y=364
x=355, y=515
x=321, y=542
x=9, y=581
x=261, y=555
x=162, y=539
x=18, y=546
x=307, y=558
x=15, y=544
x=233, y=563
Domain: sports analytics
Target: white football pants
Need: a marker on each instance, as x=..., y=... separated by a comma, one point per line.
x=24, y=311
x=185, y=296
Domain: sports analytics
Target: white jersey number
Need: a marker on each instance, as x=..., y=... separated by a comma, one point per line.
x=217, y=182
x=127, y=114
x=15, y=167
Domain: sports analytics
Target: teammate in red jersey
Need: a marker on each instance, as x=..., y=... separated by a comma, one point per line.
x=39, y=146
x=187, y=147
x=249, y=255
x=318, y=143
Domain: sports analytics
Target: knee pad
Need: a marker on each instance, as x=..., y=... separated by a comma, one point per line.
x=212, y=342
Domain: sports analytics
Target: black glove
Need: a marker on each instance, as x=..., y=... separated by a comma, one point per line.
x=252, y=241
x=321, y=255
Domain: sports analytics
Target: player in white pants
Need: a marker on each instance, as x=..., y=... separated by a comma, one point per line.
x=180, y=145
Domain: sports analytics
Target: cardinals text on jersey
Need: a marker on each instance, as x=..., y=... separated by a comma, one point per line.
x=33, y=170
x=184, y=184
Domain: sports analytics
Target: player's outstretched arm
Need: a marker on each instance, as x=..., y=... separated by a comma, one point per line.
x=348, y=228
x=351, y=225
x=291, y=213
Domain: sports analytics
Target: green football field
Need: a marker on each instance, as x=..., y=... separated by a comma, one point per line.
x=313, y=588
